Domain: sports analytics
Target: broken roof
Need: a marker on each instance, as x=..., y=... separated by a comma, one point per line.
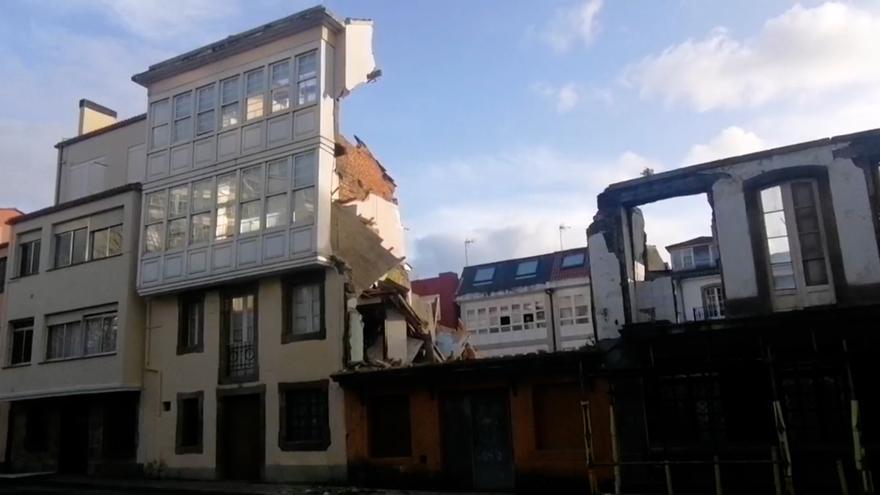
x=360, y=173
x=696, y=179
x=507, y=274
x=238, y=43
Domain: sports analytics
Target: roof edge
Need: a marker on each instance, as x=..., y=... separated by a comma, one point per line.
x=133, y=186
x=102, y=130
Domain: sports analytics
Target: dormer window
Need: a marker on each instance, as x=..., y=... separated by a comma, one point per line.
x=527, y=269
x=484, y=275
x=573, y=260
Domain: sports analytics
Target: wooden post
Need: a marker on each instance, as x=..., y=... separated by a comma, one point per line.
x=841, y=475
x=717, y=466
x=588, y=445
x=667, y=470
x=615, y=460
x=777, y=477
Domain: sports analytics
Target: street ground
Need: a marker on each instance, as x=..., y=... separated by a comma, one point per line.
x=51, y=485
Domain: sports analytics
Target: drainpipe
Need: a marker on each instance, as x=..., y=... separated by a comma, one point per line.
x=549, y=293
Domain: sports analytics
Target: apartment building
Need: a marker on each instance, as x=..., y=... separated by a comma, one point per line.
x=225, y=253
x=5, y=233
x=771, y=361
x=696, y=279
x=535, y=304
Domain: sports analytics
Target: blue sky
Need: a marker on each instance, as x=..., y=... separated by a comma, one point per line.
x=499, y=120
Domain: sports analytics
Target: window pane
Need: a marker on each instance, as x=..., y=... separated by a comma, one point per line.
x=73, y=340
x=811, y=246
x=771, y=199
x=176, y=233
x=229, y=91
x=304, y=169
x=304, y=206
x=201, y=228
x=225, y=222
x=307, y=66
x=206, y=98
x=183, y=129
x=802, y=194
x=281, y=74
x=307, y=91
x=153, y=238
x=279, y=176
x=526, y=268
x=484, y=274
x=56, y=342
x=94, y=335
x=280, y=99
x=775, y=224
x=111, y=324
x=254, y=107
x=80, y=241
x=160, y=136
x=701, y=256
x=183, y=105
x=156, y=207
x=276, y=211
x=779, y=250
x=255, y=82
x=815, y=272
x=250, y=217
x=62, y=248
x=203, y=197
x=807, y=220
x=251, y=183
x=99, y=243
x=229, y=115
x=783, y=276
x=573, y=260
x=205, y=122
x=114, y=240
x=160, y=112
x=306, y=309
x=178, y=201
x=226, y=188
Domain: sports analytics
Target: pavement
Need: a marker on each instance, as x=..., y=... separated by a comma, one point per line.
x=51, y=485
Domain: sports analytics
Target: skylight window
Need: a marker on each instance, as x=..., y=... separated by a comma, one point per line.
x=484, y=275
x=526, y=269
x=573, y=260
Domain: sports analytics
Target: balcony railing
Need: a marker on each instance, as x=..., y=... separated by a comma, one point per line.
x=710, y=312
x=241, y=360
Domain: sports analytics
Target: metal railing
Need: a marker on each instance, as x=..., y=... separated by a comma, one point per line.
x=241, y=360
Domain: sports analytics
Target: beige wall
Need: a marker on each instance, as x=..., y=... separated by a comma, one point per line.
x=101, y=282
x=120, y=151
x=169, y=374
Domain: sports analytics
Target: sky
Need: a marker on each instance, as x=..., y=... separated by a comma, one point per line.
x=500, y=120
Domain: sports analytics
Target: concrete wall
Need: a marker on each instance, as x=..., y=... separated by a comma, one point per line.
x=385, y=218
x=691, y=294
x=114, y=158
x=100, y=283
x=169, y=374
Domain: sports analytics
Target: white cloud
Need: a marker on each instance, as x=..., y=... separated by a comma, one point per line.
x=578, y=23
x=510, y=203
x=564, y=98
x=157, y=19
x=802, y=53
x=731, y=141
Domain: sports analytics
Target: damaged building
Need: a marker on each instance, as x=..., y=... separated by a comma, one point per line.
x=747, y=366
x=224, y=254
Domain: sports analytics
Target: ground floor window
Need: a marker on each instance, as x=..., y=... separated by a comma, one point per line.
x=389, y=426
x=304, y=416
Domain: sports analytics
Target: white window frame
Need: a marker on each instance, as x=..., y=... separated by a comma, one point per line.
x=304, y=80
x=181, y=118
x=81, y=324
x=234, y=101
x=156, y=123
x=210, y=107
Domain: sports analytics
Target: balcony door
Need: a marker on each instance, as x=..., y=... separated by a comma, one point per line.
x=240, y=336
x=796, y=246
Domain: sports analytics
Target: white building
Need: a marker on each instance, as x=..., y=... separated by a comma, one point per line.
x=696, y=279
x=535, y=304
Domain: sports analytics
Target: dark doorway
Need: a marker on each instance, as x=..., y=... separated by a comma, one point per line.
x=73, y=449
x=241, y=436
x=477, y=451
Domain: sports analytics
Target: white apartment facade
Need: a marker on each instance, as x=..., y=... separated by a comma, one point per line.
x=521, y=306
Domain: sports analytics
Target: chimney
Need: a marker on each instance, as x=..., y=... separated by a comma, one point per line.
x=93, y=116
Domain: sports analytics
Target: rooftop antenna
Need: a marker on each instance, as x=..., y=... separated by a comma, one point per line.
x=467, y=242
x=562, y=228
